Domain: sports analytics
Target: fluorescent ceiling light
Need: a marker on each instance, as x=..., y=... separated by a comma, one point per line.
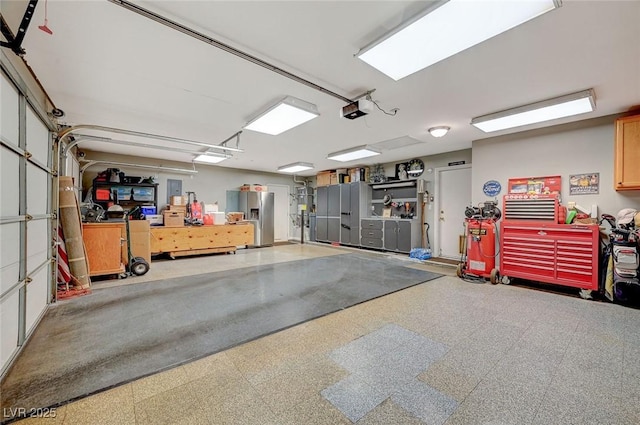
x=286, y=114
x=296, y=167
x=447, y=28
x=352, y=154
x=559, y=107
x=211, y=158
x=439, y=131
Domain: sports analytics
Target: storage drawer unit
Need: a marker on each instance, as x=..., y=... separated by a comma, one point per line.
x=552, y=253
x=371, y=242
x=371, y=233
x=371, y=224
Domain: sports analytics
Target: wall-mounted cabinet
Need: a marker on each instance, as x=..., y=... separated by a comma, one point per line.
x=627, y=153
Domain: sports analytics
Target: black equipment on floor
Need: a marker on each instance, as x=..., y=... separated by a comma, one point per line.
x=135, y=265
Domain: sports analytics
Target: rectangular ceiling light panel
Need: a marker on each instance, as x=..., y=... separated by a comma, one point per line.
x=450, y=28
x=285, y=115
x=352, y=154
x=559, y=107
x=296, y=167
x=211, y=158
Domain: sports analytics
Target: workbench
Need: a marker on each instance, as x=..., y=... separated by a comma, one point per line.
x=195, y=240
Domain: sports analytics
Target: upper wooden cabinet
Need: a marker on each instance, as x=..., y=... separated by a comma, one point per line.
x=627, y=153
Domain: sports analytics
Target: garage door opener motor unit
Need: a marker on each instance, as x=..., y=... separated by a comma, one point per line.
x=479, y=251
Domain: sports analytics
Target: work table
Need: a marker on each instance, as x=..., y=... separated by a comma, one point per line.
x=194, y=240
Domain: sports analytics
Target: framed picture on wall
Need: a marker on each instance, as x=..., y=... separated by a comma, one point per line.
x=402, y=171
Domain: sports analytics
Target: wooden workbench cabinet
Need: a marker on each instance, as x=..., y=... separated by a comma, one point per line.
x=192, y=240
x=103, y=244
x=106, y=245
x=627, y=153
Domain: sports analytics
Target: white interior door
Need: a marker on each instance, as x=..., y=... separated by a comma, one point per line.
x=453, y=194
x=281, y=211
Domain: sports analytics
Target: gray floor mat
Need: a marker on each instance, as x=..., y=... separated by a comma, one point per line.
x=119, y=334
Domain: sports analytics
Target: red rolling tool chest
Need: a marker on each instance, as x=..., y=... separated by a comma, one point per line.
x=562, y=254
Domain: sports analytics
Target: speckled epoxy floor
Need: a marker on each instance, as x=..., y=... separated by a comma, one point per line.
x=501, y=355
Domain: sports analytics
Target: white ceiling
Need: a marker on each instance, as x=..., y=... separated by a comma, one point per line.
x=105, y=65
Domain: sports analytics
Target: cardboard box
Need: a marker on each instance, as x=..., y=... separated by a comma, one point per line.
x=173, y=219
x=323, y=178
x=140, y=239
x=233, y=217
x=178, y=200
x=253, y=188
x=177, y=208
x=333, y=179
x=154, y=219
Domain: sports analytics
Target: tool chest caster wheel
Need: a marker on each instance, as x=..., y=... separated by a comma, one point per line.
x=494, y=278
x=585, y=294
x=505, y=280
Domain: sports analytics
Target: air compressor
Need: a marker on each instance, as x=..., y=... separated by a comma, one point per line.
x=481, y=231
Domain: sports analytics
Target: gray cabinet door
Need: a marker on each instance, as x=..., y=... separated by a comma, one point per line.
x=404, y=236
x=390, y=235
x=333, y=229
x=354, y=208
x=333, y=199
x=321, y=229
x=345, y=214
x=322, y=201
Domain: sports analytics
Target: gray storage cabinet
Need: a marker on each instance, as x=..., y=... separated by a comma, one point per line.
x=333, y=213
x=328, y=214
x=338, y=212
x=397, y=235
x=355, y=199
x=371, y=233
x=321, y=214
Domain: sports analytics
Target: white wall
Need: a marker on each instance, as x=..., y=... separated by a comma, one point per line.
x=576, y=148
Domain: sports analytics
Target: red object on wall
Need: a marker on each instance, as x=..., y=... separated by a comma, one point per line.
x=481, y=247
x=545, y=185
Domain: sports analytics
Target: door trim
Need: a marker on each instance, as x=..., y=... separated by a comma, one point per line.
x=436, y=203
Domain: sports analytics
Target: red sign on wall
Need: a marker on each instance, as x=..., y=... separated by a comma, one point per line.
x=536, y=185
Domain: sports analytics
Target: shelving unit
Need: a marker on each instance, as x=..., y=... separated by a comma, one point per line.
x=128, y=195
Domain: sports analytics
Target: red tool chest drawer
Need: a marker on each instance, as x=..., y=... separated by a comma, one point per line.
x=562, y=254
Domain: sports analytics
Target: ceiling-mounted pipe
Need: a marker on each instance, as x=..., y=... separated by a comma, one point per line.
x=62, y=134
x=79, y=138
x=223, y=46
x=125, y=164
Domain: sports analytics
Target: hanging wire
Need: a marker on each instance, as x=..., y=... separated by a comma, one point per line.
x=391, y=112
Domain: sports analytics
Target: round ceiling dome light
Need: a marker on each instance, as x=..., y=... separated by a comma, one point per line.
x=439, y=131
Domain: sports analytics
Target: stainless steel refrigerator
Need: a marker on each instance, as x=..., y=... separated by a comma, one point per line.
x=258, y=207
